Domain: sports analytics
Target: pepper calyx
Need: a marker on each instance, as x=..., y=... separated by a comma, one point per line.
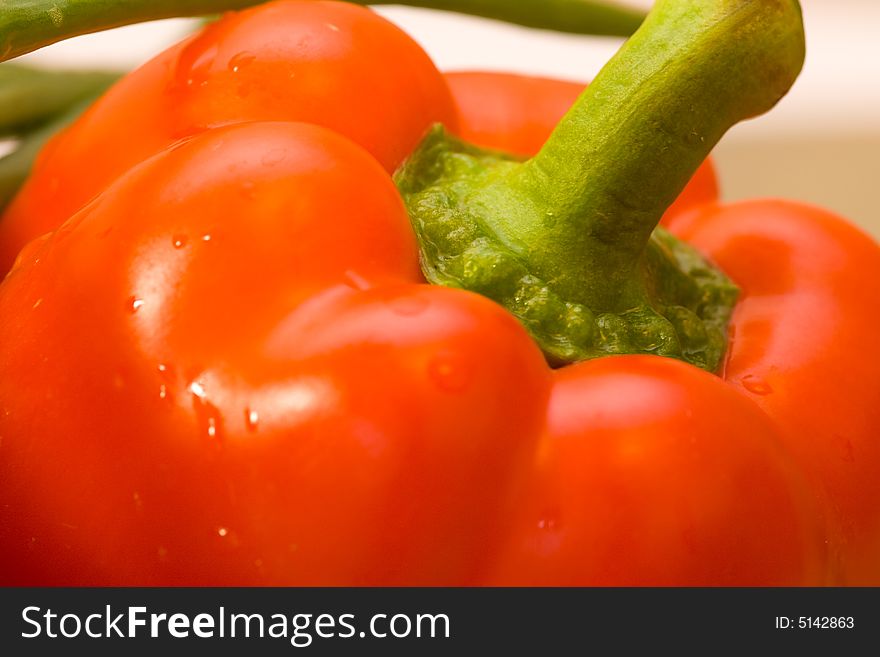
x=462, y=207
x=568, y=240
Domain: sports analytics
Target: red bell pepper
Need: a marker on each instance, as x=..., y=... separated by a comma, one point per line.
x=227, y=368
x=809, y=290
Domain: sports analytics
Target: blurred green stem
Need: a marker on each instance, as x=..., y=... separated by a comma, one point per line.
x=31, y=96
x=26, y=25
x=16, y=166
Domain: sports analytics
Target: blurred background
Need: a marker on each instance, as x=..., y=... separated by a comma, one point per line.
x=821, y=144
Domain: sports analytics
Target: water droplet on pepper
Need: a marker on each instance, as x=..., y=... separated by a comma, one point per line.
x=449, y=372
x=755, y=385
x=241, y=61
x=251, y=419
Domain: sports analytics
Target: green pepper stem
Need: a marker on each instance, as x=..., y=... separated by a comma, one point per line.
x=16, y=166
x=31, y=96
x=635, y=137
x=26, y=25
x=566, y=241
x=34, y=105
x=599, y=17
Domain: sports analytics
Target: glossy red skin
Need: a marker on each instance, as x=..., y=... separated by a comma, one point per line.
x=516, y=113
x=139, y=351
x=331, y=63
x=227, y=370
x=802, y=350
x=654, y=473
x=808, y=311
